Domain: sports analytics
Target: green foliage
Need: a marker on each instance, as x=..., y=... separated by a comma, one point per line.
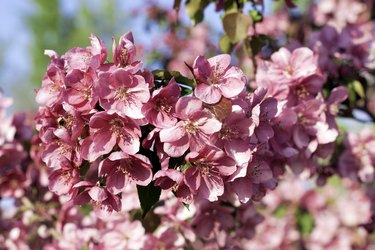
x=305, y=222
x=281, y=211
x=165, y=75
x=148, y=197
x=225, y=44
x=256, y=16
x=236, y=26
x=254, y=44
x=53, y=29
x=195, y=10
x=358, y=88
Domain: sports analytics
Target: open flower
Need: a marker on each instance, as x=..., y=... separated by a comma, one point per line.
x=102, y=201
x=160, y=110
x=123, y=93
x=209, y=167
x=192, y=131
x=107, y=131
x=216, y=78
x=122, y=169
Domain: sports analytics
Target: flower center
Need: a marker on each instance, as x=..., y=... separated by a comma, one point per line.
x=191, y=127
x=117, y=127
x=228, y=134
x=161, y=104
x=205, y=167
x=305, y=121
x=87, y=93
x=63, y=147
x=123, y=58
x=54, y=87
x=302, y=92
x=122, y=93
x=123, y=170
x=289, y=72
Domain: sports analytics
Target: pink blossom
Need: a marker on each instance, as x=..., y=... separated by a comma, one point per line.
x=79, y=92
x=107, y=131
x=123, y=93
x=122, y=169
x=210, y=218
x=234, y=136
x=193, y=130
x=102, y=201
x=61, y=148
x=124, y=235
x=173, y=179
x=209, y=167
x=160, y=110
x=290, y=74
x=262, y=110
x=53, y=87
x=242, y=181
x=83, y=59
x=62, y=180
x=124, y=54
x=216, y=78
x=358, y=159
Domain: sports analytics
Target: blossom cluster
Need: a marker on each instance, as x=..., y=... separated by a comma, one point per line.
x=15, y=133
x=305, y=126
x=99, y=122
x=105, y=126
x=314, y=218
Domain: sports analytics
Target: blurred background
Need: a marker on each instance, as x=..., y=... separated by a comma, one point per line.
x=28, y=27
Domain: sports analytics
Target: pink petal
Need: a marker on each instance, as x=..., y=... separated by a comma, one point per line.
x=207, y=93
x=97, y=194
x=301, y=139
x=187, y=106
x=173, y=133
x=177, y=148
x=211, y=187
x=220, y=63
x=231, y=87
x=193, y=179
x=281, y=57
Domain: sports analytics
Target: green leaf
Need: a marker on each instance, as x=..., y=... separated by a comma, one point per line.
x=225, y=44
x=85, y=209
x=166, y=75
x=280, y=212
x=186, y=91
x=257, y=43
x=256, y=16
x=236, y=26
x=358, y=88
x=195, y=10
x=186, y=205
x=148, y=196
x=305, y=222
x=230, y=6
x=352, y=96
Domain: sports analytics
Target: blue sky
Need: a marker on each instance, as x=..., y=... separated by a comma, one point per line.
x=15, y=38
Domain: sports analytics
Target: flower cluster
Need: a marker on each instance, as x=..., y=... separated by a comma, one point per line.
x=357, y=161
x=100, y=123
x=90, y=119
x=14, y=133
x=305, y=125
x=314, y=219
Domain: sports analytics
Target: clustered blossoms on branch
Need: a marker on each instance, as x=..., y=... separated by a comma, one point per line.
x=105, y=126
x=114, y=134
